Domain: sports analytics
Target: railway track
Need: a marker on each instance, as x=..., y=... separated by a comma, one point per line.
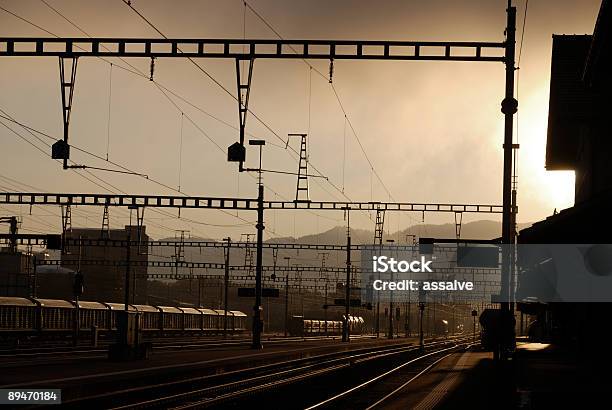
x=158, y=345
x=246, y=386
x=381, y=389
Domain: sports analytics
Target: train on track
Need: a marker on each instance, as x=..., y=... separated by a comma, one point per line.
x=298, y=326
x=30, y=316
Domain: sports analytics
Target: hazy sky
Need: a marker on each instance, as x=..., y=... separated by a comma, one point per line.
x=433, y=130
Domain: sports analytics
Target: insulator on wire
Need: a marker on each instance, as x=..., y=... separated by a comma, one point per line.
x=331, y=70
x=152, y=68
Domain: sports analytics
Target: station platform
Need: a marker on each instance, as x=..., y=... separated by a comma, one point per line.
x=540, y=376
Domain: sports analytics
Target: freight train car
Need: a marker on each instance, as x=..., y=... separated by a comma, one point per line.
x=36, y=317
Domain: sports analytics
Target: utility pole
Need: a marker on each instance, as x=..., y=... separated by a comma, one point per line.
x=126, y=297
x=346, y=331
x=434, y=330
x=421, y=339
x=474, y=313
x=298, y=275
x=428, y=322
x=509, y=108
x=78, y=291
x=378, y=238
x=275, y=260
x=248, y=252
x=228, y=240
x=199, y=292
x=391, y=314
x=407, y=329
x=179, y=249
x=453, y=327
x=407, y=323
x=288, y=258
x=257, y=321
x=324, y=275
x=34, y=290
x=325, y=307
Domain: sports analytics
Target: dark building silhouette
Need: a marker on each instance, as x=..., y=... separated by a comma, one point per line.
x=580, y=139
x=104, y=282
x=16, y=273
x=579, y=131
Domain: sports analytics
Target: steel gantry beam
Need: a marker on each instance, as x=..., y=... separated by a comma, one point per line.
x=242, y=49
x=250, y=49
x=386, y=206
x=156, y=201
x=170, y=201
x=242, y=268
x=44, y=239
x=28, y=239
x=52, y=241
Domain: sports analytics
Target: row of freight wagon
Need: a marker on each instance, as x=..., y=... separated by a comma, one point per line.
x=35, y=316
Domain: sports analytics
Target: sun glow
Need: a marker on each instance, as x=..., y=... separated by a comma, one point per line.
x=550, y=189
x=559, y=187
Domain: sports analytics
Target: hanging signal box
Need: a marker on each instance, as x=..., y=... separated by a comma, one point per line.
x=60, y=150
x=236, y=152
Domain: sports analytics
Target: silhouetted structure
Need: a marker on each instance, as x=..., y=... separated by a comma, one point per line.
x=16, y=273
x=106, y=283
x=579, y=131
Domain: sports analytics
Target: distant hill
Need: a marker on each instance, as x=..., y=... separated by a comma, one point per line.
x=484, y=229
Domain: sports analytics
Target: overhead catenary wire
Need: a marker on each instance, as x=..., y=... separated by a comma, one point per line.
x=207, y=74
x=343, y=153
x=234, y=97
x=108, y=186
x=180, y=153
x=27, y=21
x=112, y=188
x=126, y=170
x=133, y=69
x=162, y=88
x=219, y=148
x=331, y=84
x=135, y=72
x=346, y=117
x=110, y=95
x=309, y=97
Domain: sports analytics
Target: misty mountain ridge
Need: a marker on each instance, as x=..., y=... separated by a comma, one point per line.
x=483, y=229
